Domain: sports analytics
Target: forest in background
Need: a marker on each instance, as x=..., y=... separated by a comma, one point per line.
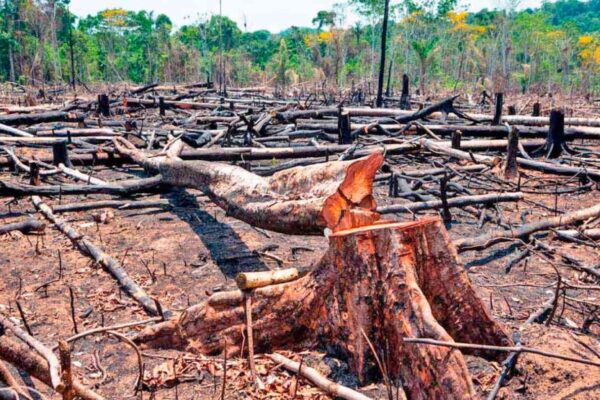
x=440, y=47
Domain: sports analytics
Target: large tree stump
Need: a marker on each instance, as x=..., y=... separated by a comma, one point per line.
x=388, y=280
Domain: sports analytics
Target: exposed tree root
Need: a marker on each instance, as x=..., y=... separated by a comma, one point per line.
x=391, y=281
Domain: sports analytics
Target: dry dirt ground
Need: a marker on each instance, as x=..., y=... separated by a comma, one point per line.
x=182, y=254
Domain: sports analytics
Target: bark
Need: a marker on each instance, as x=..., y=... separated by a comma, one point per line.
x=88, y=248
x=21, y=357
x=29, y=225
x=302, y=200
x=501, y=235
x=32, y=119
x=462, y=201
x=511, y=167
x=124, y=188
x=384, y=282
x=317, y=379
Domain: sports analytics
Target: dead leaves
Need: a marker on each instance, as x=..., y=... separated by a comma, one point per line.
x=278, y=383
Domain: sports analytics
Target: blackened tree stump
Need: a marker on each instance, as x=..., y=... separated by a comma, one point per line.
x=388, y=280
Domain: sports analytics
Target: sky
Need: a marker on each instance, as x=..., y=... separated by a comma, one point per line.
x=273, y=15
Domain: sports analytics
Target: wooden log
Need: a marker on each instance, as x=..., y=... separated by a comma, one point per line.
x=462, y=201
x=593, y=234
x=120, y=204
x=27, y=226
x=123, y=188
x=442, y=148
x=399, y=281
x=280, y=153
x=303, y=200
x=575, y=132
x=53, y=366
x=253, y=280
x=88, y=248
x=32, y=119
x=317, y=379
x=499, y=236
x=13, y=131
x=73, y=173
x=23, y=358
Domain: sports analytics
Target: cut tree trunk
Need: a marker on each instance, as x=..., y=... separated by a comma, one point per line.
x=384, y=282
x=303, y=200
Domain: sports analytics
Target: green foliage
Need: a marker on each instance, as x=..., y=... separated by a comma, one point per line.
x=430, y=40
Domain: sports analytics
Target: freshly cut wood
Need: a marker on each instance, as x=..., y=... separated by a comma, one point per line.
x=387, y=282
x=29, y=225
x=99, y=256
x=504, y=235
x=317, y=379
x=253, y=280
x=303, y=200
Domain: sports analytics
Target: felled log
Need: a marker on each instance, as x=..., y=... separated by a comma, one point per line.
x=317, y=379
x=570, y=133
x=384, y=282
x=461, y=201
x=87, y=247
x=593, y=234
x=557, y=169
x=502, y=235
x=27, y=226
x=302, y=200
x=31, y=119
x=10, y=188
x=22, y=357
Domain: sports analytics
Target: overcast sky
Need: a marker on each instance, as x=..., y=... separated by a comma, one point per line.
x=274, y=15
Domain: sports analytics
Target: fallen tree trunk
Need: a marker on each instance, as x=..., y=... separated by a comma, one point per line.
x=523, y=232
x=384, y=282
x=99, y=256
x=31, y=119
x=453, y=202
x=29, y=225
x=303, y=200
x=23, y=358
x=442, y=148
x=123, y=188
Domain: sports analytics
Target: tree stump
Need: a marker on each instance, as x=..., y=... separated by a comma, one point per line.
x=386, y=281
